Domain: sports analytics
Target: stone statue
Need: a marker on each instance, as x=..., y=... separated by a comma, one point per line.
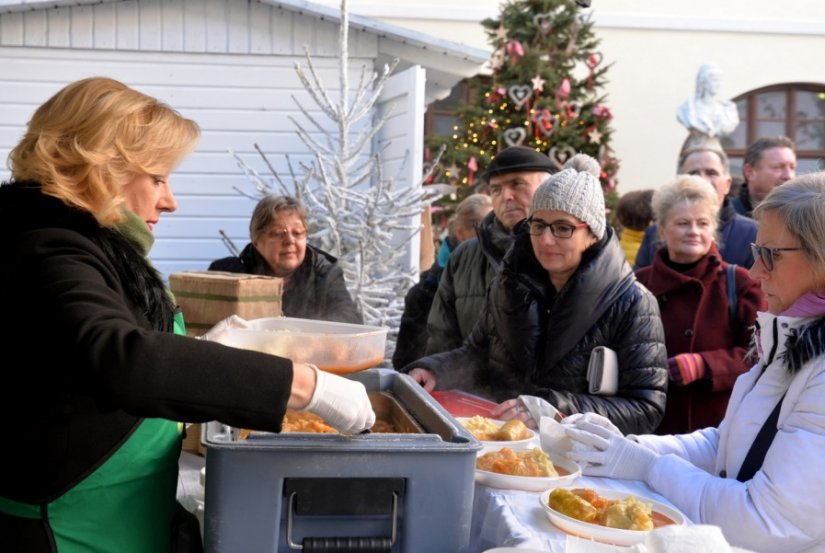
x=705, y=114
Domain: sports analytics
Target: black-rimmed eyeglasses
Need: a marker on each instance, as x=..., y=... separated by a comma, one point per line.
x=536, y=227
x=767, y=254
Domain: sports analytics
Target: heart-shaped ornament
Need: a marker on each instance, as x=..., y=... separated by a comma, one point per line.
x=559, y=156
x=574, y=109
x=514, y=136
x=593, y=59
x=519, y=93
x=545, y=122
x=545, y=20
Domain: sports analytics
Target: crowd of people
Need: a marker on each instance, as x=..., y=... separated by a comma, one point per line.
x=709, y=309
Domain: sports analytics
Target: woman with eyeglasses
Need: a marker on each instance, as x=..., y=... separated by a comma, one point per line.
x=706, y=343
x=565, y=288
x=314, y=286
x=758, y=475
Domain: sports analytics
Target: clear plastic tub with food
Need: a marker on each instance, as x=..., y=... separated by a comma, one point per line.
x=339, y=348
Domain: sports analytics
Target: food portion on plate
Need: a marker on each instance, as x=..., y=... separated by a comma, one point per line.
x=489, y=430
x=608, y=516
x=531, y=462
x=530, y=470
x=495, y=434
x=586, y=505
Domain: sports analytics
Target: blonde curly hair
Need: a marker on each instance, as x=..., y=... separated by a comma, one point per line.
x=94, y=137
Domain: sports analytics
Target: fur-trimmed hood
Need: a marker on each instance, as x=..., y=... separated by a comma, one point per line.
x=804, y=339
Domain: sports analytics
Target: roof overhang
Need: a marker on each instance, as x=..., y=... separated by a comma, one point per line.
x=445, y=62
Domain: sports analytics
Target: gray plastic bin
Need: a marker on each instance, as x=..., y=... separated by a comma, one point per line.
x=414, y=489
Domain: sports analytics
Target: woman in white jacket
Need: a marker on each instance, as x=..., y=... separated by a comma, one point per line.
x=766, y=493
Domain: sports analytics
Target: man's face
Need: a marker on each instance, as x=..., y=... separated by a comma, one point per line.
x=709, y=166
x=776, y=166
x=512, y=193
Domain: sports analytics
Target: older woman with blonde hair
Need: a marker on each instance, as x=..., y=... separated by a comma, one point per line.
x=708, y=307
x=103, y=378
x=757, y=476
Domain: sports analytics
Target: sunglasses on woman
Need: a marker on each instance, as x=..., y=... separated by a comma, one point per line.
x=767, y=254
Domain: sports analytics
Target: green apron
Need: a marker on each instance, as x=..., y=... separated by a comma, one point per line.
x=126, y=505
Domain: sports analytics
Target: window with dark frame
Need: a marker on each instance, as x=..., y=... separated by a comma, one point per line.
x=796, y=110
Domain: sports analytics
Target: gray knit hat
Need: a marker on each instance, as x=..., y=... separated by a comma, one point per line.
x=575, y=190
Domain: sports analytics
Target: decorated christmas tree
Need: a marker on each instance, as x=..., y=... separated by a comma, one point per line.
x=544, y=92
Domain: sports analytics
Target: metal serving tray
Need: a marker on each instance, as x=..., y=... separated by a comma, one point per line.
x=403, y=492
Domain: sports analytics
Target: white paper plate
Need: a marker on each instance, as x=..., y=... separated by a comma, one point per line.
x=532, y=483
x=613, y=536
x=515, y=445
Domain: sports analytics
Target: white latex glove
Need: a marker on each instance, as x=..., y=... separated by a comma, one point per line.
x=341, y=402
x=218, y=332
x=585, y=421
x=602, y=452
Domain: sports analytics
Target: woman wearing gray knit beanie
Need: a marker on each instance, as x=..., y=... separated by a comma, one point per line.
x=565, y=288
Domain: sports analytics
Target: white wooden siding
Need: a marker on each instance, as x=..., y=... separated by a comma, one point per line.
x=401, y=142
x=197, y=26
x=229, y=65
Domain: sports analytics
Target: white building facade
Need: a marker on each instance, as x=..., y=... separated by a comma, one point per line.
x=766, y=48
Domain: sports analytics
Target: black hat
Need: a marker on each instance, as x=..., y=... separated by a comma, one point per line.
x=519, y=158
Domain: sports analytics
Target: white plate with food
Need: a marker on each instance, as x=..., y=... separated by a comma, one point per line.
x=618, y=509
x=495, y=434
x=562, y=472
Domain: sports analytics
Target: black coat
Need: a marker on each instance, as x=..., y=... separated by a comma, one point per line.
x=532, y=340
x=316, y=289
x=87, y=318
x=462, y=290
x=411, y=342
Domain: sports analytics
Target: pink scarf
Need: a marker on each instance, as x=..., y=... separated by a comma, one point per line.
x=809, y=304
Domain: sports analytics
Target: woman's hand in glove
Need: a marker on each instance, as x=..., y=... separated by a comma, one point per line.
x=585, y=421
x=602, y=452
x=341, y=402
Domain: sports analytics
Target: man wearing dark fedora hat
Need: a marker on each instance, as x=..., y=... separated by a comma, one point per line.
x=512, y=177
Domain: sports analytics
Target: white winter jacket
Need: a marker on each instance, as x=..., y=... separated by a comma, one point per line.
x=782, y=508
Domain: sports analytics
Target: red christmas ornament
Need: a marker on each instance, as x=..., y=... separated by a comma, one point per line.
x=563, y=91
x=472, y=167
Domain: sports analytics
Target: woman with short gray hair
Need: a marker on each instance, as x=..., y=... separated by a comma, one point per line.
x=314, y=286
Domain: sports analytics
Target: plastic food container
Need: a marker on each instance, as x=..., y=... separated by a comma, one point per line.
x=339, y=348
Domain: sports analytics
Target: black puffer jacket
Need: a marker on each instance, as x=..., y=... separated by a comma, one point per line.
x=462, y=289
x=532, y=340
x=316, y=290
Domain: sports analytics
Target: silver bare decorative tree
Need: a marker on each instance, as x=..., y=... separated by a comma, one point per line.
x=358, y=213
